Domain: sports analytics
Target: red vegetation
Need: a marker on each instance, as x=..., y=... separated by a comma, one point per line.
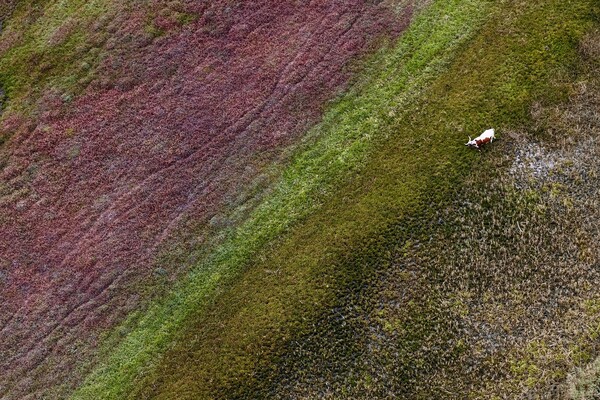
x=173, y=127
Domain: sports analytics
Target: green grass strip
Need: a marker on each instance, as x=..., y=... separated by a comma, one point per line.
x=333, y=151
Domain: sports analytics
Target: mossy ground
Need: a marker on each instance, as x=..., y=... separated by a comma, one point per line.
x=46, y=46
x=525, y=54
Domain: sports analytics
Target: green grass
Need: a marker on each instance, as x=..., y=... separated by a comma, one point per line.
x=46, y=47
x=383, y=154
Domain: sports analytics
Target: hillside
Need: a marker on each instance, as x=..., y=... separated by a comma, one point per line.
x=273, y=199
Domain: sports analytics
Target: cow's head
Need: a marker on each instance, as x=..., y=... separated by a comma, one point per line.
x=472, y=143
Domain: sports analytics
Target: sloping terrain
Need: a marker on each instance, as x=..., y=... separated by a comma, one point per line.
x=273, y=200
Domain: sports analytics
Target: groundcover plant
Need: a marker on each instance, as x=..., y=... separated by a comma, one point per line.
x=272, y=199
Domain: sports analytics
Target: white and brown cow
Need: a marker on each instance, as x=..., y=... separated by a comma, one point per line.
x=483, y=139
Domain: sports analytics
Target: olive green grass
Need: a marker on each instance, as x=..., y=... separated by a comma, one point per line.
x=47, y=47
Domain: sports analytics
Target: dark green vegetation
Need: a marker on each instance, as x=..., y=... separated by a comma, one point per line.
x=477, y=267
x=498, y=298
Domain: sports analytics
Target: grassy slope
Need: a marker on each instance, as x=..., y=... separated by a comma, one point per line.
x=498, y=84
x=522, y=48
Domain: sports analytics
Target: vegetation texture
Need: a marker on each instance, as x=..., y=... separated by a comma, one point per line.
x=274, y=200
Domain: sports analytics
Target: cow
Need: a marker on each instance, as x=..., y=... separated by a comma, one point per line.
x=483, y=139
